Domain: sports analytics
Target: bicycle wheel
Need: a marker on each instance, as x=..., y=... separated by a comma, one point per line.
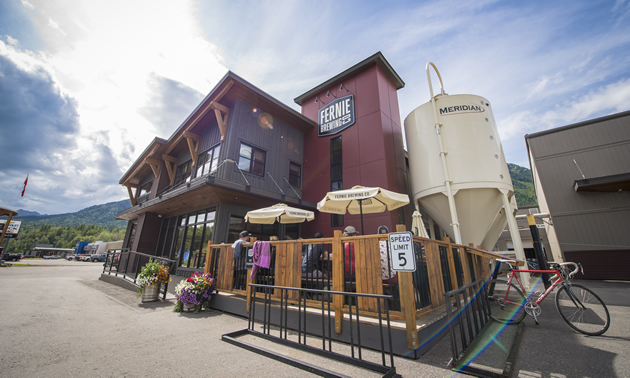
x=583, y=310
x=505, y=306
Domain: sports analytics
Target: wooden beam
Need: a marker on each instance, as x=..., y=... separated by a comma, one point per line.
x=201, y=114
x=6, y=227
x=219, y=111
x=338, y=279
x=170, y=168
x=408, y=302
x=132, y=197
x=193, y=145
x=155, y=165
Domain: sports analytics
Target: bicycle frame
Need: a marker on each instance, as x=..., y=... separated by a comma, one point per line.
x=543, y=295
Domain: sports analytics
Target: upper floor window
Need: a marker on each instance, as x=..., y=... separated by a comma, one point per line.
x=145, y=189
x=251, y=159
x=183, y=173
x=336, y=175
x=208, y=161
x=295, y=174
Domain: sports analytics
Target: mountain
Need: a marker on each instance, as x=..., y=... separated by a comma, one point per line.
x=523, y=185
x=100, y=215
x=26, y=212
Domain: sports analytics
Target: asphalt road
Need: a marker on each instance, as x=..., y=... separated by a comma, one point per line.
x=57, y=319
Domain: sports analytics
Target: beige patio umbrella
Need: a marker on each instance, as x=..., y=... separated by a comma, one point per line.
x=361, y=200
x=280, y=213
x=417, y=225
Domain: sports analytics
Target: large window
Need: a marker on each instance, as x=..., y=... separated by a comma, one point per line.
x=193, y=233
x=208, y=161
x=336, y=175
x=251, y=159
x=183, y=173
x=295, y=175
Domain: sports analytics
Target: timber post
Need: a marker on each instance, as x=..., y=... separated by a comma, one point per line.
x=338, y=279
x=408, y=302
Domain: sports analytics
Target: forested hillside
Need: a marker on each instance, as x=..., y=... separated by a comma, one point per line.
x=61, y=236
x=523, y=185
x=65, y=230
x=100, y=215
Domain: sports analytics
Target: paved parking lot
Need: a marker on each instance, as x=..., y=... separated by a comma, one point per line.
x=58, y=319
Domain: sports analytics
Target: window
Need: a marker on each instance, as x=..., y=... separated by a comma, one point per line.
x=251, y=159
x=145, y=189
x=295, y=175
x=336, y=175
x=193, y=234
x=208, y=161
x=183, y=173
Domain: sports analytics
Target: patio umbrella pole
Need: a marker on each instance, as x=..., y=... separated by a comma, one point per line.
x=361, y=208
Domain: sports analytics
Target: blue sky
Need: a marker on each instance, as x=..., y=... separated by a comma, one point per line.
x=86, y=85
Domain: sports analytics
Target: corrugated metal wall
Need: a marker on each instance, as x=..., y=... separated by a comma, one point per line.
x=586, y=221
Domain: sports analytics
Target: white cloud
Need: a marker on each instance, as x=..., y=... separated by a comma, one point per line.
x=609, y=99
x=104, y=57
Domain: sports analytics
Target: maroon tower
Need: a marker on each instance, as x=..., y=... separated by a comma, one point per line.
x=364, y=148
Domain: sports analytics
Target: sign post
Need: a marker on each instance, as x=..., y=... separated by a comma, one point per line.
x=401, y=251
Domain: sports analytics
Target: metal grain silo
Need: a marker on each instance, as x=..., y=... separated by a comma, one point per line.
x=457, y=167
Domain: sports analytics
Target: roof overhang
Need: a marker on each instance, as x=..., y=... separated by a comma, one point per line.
x=377, y=58
x=229, y=88
x=206, y=192
x=612, y=183
x=7, y=212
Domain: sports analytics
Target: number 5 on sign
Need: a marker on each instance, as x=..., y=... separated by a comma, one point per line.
x=401, y=251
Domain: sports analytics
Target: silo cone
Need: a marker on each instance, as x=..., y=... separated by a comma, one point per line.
x=458, y=170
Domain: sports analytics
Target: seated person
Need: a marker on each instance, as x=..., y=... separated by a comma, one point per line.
x=311, y=255
x=348, y=254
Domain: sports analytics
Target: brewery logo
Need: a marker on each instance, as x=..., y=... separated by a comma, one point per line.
x=459, y=109
x=336, y=116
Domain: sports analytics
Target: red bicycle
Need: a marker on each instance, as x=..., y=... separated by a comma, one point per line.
x=578, y=306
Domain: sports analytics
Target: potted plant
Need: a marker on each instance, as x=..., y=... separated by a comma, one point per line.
x=194, y=293
x=151, y=276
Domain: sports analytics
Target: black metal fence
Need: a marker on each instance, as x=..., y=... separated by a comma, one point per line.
x=468, y=314
x=127, y=264
x=281, y=319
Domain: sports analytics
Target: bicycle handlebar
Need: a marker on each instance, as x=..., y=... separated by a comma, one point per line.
x=578, y=267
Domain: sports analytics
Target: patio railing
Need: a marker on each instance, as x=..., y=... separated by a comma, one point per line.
x=441, y=267
x=127, y=264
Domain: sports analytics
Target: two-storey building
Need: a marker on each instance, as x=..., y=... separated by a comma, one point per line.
x=241, y=149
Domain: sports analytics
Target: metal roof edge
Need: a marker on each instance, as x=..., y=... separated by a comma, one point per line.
x=156, y=140
x=579, y=124
x=377, y=58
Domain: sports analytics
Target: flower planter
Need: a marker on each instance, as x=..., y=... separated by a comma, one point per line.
x=150, y=293
x=189, y=308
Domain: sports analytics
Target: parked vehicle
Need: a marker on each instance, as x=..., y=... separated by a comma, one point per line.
x=11, y=256
x=101, y=257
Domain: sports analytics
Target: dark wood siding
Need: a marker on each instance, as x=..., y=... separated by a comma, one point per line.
x=281, y=144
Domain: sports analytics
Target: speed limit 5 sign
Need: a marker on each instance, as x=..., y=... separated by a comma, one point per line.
x=401, y=251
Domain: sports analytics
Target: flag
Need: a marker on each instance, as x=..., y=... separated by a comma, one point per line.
x=25, y=182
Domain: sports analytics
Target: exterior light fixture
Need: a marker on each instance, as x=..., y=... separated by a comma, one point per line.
x=317, y=99
x=342, y=87
x=330, y=94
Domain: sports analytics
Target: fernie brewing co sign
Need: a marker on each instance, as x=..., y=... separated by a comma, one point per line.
x=336, y=116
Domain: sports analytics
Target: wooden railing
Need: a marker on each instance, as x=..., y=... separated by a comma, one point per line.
x=441, y=267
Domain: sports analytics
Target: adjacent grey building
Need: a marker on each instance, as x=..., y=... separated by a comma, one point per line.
x=581, y=175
